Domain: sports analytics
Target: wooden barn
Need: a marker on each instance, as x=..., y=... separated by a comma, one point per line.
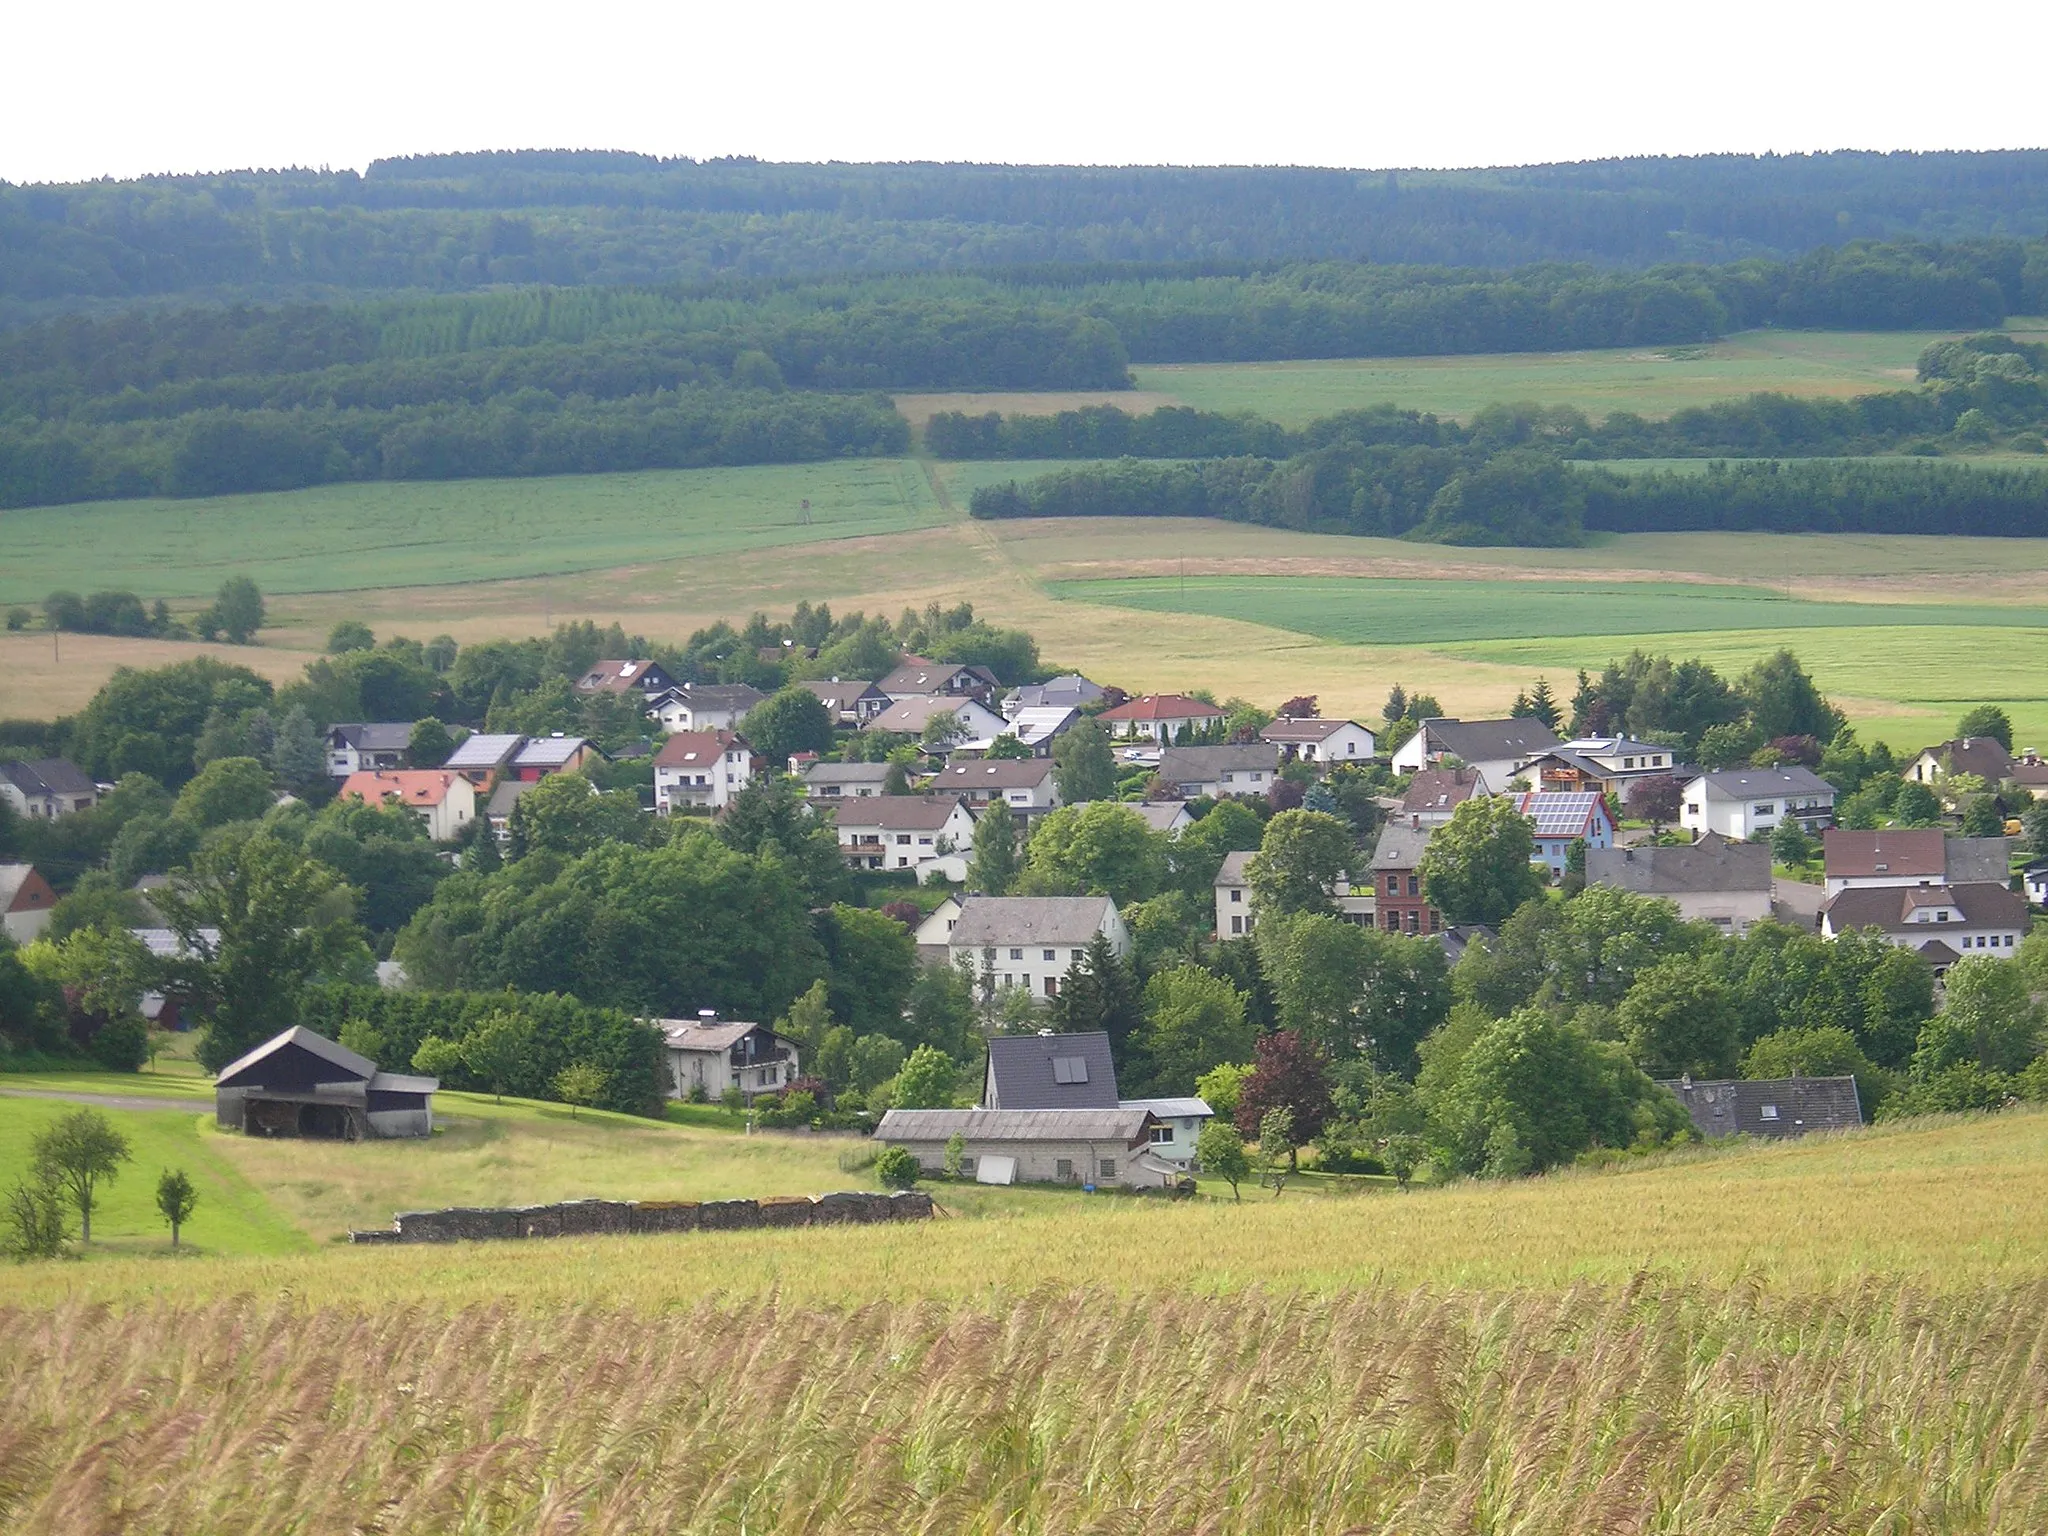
x=302, y=1084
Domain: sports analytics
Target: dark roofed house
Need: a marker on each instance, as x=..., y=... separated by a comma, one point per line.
x=1714, y=880
x=1896, y=856
x=302, y=1084
x=919, y=678
x=1983, y=756
x=1049, y=1071
x=1499, y=749
x=1242, y=768
x=1971, y=919
x=1777, y=1106
x=1091, y=1147
x=852, y=703
x=1435, y=794
x=480, y=757
x=1397, y=878
x=647, y=677
x=703, y=706
x=47, y=788
x=367, y=748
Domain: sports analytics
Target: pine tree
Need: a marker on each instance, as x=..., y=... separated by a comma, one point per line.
x=297, y=757
x=1100, y=991
x=1396, y=706
x=1543, y=704
x=996, y=858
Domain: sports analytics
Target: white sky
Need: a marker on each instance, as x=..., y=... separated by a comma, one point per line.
x=123, y=88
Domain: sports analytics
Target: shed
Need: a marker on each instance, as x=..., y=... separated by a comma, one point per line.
x=302, y=1084
x=1051, y=1146
x=1773, y=1106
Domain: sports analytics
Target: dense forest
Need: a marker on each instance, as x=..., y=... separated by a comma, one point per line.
x=451, y=222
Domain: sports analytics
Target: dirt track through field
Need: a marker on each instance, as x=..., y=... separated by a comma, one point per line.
x=104, y=1100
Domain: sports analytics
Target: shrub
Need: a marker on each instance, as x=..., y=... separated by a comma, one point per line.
x=897, y=1168
x=121, y=1044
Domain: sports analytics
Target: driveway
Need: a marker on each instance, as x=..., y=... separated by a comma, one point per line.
x=106, y=1100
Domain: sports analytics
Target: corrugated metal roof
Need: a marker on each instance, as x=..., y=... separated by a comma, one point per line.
x=1170, y=1109
x=1129, y=1126
x=317, y=1045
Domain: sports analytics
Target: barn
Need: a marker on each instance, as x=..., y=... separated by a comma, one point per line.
x=302, y=1084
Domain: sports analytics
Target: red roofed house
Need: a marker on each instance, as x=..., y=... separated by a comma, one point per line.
x=26, y=901
x=704, y=769
x=1159, y=717
x=625, y=677
x=445, y=801
x=1561, y=819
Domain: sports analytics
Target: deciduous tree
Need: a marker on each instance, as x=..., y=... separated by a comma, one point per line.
x=1300, y=858
x=1477, y=867
x=176, y=1199
x=80, y=1151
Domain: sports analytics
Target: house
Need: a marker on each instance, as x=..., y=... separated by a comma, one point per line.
x=1400, y=906
x=1713, y=880
x=1069, y=690
x=1455, y=938
x=445, y=801
x=1498, y=749
x=1161, y=717
x=703, y=706
x=1177, y=1125
x=1049, y=1070
x=1095, y=1148
x=1983, y=756
x=1434, y=795
x=302, y=1084
x=1563, y=819
x=1623, y=756
x=1024, y=784
x=708, y=1056
x=498, y=809
x=361, y=748
x=622, y=677
x=1897, y=856
x=1943, y=922
x=2030, y=773
x=1321, y=741
x=1214, y=772
x=2035, y=879
x=1770, y=1106
x=844, y=781
x=1028, y=942
x=919, y=678
x=1607, y=765
x=851, y=704
x=936, y=929
x=1742, y=802
x=1039, y=726
x=902, y=831
x=544, y=755
x=47, y=788
x=974, y=721
x=25, y=902
x=1234, y=909
x=1170, y=817
x=483, y=758
x=701, y=769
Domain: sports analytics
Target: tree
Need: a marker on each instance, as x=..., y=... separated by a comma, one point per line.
x=1354, y=991
x=37, y=1224
x=1657, y=799
x=1007, y=748
x=176, y=1199
x=1477, y=867
x=1790, y=845
x=1982, y=818
x=237, y=610
x=1784, y=701
x=771, y=814
x=942, y=728
x=580, y=1084
x=875, y=1059
x=1299, y=861
x=1678, y=1019
x=1278, y=1146
x=228, y=789
x=1198, y=853
x=897, y=1168
x=1987, y=720
x=1916, y=805
x=350, y=635
x=788, y=721
x=874, y=963
x=1100, y=992
x=1302, y=706
x=1288, y=1073
x=1396, y=707
x=430, y=743
x=1825, y=1050
x=1219, y=1150
x=437, y=1057
x=566, y=814
x=994, y=867
x=79, y=1151
x=926, y=1081
x=1543, y=704
x=1988, y=1019
x=296, y=755
x=1194, y=1021
x=940, y=1012
x=498, y=1049
x=1729, y=746
x=1100, y=848
x=1083, y=766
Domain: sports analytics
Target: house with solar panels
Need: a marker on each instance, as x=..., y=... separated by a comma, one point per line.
x=1563, y=819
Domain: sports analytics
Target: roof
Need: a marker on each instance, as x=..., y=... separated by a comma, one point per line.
x=484, y=752
x=1567, y=813
x=1400, y=846
x=839, y=694
x=897, y=813
x=1034, y=722
x=1108, y=1124
x=1758, y=783
x=402, y=1082
x=1938, y=953
x=1307, y=728
x=1440, y=789
x=1069, y=688
x=505, y=796
x=615, y=676
x=1486, y=741
x=733, y=698
x=1169, y=1109
x=1455, y=938
x=695, y=749
x=1199, y=765
x=376, y=736
x=985, y=773
x=1975, y=859
x=846, y=773
x=912, y=714
x=318, y=1045
x=1160, y=815
x=1162, y=706
x=52, y=776
x=1984, y=756
x=2028, y=769
x=1232, y=870
x=918, y=675
x=549, y=751
x=992, y=920
x=1051, y=1071
x=1982, y=904
x=12, y=878
x=408, y=786
x=700, y=1035
x=1896, y=851
x=1798, y=1105
x=1714, y=863
x=165, y=943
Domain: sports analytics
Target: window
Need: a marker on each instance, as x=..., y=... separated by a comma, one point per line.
x=1052, y=986
x=1108, y=1166
x=1768, y=808
x=1069, y=1069
x=1393, y=885
x=1052, y=954
x=989, y=955
x=1768, y=1112
x=1628, y=762
x=1236, y=895
x=1016, y=954
x=1414, y=922
x=1073, y=954
x=1009, y=980
x=1063, y=1170
x=1236, y=924
x=1161, y=1135
x=1415, y=885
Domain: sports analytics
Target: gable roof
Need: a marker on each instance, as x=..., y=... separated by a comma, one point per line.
x=506, y=795
x=846, y=773
x=1068, y=689
x=1918, y=852
x=841, y=695
x=407, y=786
x=338, y=1056
x=1307, y=728
x=897, y=813
x=706, y=1034
x=918, y=675
x=374, y=736
x=1800, y=1105
x=50, y=776
x=1713, y=864
x=550, y=751
x=1110, y=1125
x=990, y=773
x=736, y=698
x=1566, y=813
x=1974, y=859
x=1199, y=765
x=1401, y=845
x=485, y=752
x=1160, y=815
x=1982, y=755
x=1033, y=723
x=695, y=749
x=1441, y=789
x=1616, y=746
x=1162, y=706
x=992, y=920
x=1757, y=783
x=1486, y=741
x=12, y=878
x=1232, y=870
x=1983, y=905
x=913, y=713
x=1050, y=1071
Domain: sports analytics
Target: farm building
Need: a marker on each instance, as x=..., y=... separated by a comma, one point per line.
x=1094, y=1147
x=302, y=1084
x=1775, y=1106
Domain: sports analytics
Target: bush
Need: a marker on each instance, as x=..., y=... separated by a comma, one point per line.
x=121, y=1044
x=897, y=1168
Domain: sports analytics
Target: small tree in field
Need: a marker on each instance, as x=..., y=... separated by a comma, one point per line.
x=580, y=1085
x=497, y=1049
x=1220, y=1150
x=897, y=1168
x=1276, y=1148
x=36, y=1224
x=79, y=1152
x=176, y=1199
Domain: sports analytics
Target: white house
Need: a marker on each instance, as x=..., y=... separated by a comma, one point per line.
x=1498, y=749
x=1097, y=1148
x=902, y=831
x=701, y=768
x=1233, y=889
x=1742, y=802
x=1177, y=1124
x=1943, y=922
x=445, y=801
x=1623, y=755
x=1563, y=819
x=26, y=902
x=1162, y=717
x=1029, y=941
x=1170, y=817
x=844, y=781
x=1713, y=880
x=708, y=1055
x=1900, y=856
x=973, y=721
x=1069, y=690
x=1247, y=768
x=703, y=706
x=1024, y=784
x=1983, y=756
x=1322, y=741
x=355, y=748
x=1039, y=726
x=933, y=934
x=1434, y=795
x=47, y=788
x=919, y=678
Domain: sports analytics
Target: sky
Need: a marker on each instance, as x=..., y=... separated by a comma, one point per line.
x=122, y=89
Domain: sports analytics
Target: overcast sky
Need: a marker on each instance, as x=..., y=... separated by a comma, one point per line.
x=124, y=88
